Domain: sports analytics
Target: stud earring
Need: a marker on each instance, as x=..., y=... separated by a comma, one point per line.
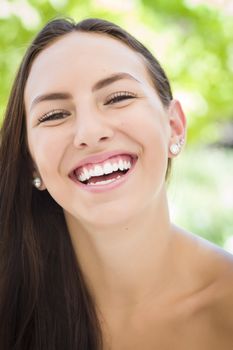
x=37, y=182
x=181, y=141
x=176, y=147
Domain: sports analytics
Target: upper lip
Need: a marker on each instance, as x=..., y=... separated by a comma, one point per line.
x=99, y=158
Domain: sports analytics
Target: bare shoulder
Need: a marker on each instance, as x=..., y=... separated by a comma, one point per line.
x=214, y=266
x=212, y=259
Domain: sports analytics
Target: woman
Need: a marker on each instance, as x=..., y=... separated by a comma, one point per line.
x=89, y=256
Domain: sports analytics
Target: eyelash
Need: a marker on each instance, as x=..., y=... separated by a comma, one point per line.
x=52, y=115
x=119, y=96
x=61, y=114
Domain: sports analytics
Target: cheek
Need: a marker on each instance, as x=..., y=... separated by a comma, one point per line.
x=147, y=127
x=45, y=149
x=150, y=130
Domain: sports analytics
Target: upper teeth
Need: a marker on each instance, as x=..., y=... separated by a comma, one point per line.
x=106, y=168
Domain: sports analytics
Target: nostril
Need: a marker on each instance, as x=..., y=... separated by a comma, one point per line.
x=103, y=138
x=90, y=138
x=83, y=144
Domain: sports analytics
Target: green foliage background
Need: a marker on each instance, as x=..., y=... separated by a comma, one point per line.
x=195, y=45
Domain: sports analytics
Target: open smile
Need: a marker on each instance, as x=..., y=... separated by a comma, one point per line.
x=106, y=174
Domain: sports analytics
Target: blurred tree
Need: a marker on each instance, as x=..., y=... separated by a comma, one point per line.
x=199, y=61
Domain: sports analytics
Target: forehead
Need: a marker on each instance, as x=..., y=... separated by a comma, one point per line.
x=81, y=58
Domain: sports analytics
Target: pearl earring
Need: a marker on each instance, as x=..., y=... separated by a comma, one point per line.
x=176, y=147
x=37, y=182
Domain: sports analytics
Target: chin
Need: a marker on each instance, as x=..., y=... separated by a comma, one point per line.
x=108, y=216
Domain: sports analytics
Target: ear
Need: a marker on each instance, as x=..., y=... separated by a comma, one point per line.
x=177, y=122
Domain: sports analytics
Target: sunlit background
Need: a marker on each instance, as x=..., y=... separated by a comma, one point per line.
x=193, y=39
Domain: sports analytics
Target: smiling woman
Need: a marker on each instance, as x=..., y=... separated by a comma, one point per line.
x=87, y=246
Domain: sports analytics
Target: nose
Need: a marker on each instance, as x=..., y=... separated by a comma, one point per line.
x=92, y=129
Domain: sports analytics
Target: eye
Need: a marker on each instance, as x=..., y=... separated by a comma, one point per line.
x=119, y=96
x=54, y=115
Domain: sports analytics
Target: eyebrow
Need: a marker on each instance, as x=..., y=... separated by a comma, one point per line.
x=50, y=97
x=97, y=86
x=109, y=80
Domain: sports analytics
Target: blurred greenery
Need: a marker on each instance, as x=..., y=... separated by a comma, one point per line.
x=194, y=42
x=201, y=192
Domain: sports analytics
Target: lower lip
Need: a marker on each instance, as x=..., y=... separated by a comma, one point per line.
x=106, y=187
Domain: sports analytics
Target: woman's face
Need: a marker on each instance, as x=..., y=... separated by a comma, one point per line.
x=91, y=109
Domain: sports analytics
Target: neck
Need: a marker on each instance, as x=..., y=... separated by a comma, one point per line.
x=126, y=264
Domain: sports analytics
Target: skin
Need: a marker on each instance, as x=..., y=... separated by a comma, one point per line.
x=167, y=287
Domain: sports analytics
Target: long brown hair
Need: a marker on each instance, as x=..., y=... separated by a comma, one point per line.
x=44, y=301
